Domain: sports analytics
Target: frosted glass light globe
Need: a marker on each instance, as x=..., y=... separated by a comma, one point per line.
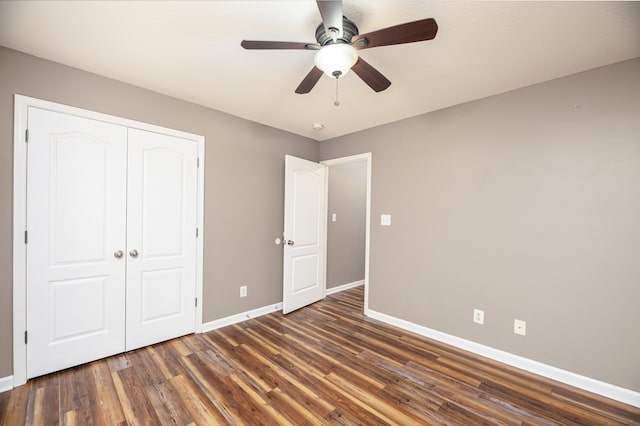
x=335, y=60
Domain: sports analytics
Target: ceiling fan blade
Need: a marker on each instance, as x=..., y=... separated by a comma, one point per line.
x=331, y=12
x=371, y=76
x=409, y=32
x=309, y=81
x=258, y=44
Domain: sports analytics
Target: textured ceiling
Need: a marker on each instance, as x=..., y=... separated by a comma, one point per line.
x=191, y=50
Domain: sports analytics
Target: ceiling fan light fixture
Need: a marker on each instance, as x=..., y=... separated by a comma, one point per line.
x=335, y=60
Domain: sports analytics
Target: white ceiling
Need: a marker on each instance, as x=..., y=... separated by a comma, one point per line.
x=191, y=50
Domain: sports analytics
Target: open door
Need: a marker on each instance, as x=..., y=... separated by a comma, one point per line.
x=305, y=210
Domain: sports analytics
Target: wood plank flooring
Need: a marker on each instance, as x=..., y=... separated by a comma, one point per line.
x=324, y=364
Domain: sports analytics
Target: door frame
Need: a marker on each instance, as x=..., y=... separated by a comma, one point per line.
x=20, y=146
x=353, y=159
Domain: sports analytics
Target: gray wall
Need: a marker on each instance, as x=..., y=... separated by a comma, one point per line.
x=523, y=207
x=244, y=180
x=346, y=236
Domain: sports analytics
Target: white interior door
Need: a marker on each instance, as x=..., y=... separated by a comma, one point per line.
x=161, y=237
x=76, y=203
x=305, y=210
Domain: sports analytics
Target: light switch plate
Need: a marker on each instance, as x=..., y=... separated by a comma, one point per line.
x=333, y=217
x=385, y=219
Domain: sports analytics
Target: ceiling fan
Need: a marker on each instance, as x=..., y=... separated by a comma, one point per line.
x=338, y=42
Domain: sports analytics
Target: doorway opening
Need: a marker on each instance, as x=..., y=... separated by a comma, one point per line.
x=348, y=223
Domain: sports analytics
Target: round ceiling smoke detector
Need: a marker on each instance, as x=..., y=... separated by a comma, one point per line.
x=317, y=126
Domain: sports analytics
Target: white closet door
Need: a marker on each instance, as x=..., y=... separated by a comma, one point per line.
x=76, y=204
x=161, y=238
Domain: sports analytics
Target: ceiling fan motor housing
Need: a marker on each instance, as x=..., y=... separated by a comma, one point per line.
x=349, y=30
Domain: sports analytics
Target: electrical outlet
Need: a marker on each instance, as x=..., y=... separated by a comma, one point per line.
x=520, y=327
x=478, y=316
x=243, y=291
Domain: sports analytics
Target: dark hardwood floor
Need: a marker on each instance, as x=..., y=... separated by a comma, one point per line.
x=324, y=364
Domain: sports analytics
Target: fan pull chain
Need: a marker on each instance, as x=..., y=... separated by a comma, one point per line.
x=337, y=102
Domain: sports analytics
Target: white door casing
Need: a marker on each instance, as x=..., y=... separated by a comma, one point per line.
x=76, y=223
x=305, y=211
x=161, y=237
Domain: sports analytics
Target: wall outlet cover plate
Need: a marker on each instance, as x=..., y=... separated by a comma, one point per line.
x=478, y=316
x=520, y=327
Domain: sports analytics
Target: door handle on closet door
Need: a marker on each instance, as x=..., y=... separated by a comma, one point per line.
x=133, y=253
x=118, y=254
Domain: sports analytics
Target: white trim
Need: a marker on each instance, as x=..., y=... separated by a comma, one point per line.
x=258, y=312
x=200, y=239
x=19, y=247
x=6, y=383
x=352, y=159
x=325, y=246
x=626, y=396
x=243, y=316
x=21, y=106
x=344, y=287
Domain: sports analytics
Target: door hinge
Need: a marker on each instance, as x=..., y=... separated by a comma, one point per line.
x=196, y=302
x=198, y=162
x=26, y=136
x=25, y=337
x=25, y=237
x=196, y=232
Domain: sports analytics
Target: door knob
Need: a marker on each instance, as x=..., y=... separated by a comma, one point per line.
x=118, y=254
x=290, y=242
x=133, y=253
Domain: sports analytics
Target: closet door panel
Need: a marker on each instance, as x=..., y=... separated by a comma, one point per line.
x=76, y=212
x=161, y=237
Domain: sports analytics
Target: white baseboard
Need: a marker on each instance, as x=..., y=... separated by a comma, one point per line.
x=254, y=313
x=344, y=287
x=243, y=316
x=6, y=383
x=608, y=390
